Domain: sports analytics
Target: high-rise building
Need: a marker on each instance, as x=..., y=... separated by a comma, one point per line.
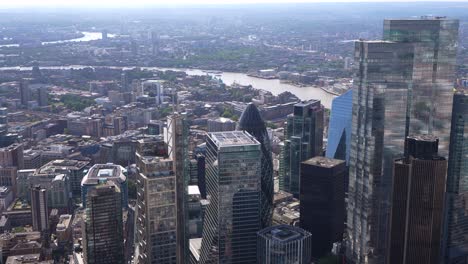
x=417, y=203
x=233, y=180
x=108, y=172
x=102, y=233
x=39, y=209
x=339, y=128
x=284, y=244
x=156, y=221
x=397, y=91
x=42, y=96
x=456, y=220
x=252, y=122
x=124, y=85
x=303, y=140
x=322, y=207
x=156, y=87
x=25, y=92
x=12, y=156
x=177, y=141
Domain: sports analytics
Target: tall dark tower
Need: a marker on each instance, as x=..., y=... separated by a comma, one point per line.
x=456, y=222
x=417, y=204
x=252, y=122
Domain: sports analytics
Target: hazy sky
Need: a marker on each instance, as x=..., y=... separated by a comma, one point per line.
x=116, y=3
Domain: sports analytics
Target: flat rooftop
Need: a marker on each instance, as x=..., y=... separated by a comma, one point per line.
x=284, y=233
x=232, y=138
x=104, y=171
x=323, y=162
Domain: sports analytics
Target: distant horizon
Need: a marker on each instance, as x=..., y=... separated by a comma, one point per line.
x=181, y=3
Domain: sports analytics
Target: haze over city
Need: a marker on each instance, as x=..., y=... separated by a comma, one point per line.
x=233, y=132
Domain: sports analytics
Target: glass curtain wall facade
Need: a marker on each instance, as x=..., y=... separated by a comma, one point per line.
x=339, y=129
x=103, y=235
x=456, y=223
x=304, y=140
x=284, y=244
x=252, y=122
x=402, y=86
x=233, y=179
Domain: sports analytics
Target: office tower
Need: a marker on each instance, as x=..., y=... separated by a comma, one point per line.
x=417, y=203
x=124, y=87
x=283, y=244
x=339, y=128
x=322, y=207
x=156, y=87
x=39, y=209
x=233, y=180
x=102, y=232
x=435, y=41
x=304, y=140
x=396, y=93
x=251, y=121
x=12, y=156
x=25, y=92
x=201, y=173
x=456, y=220
x=108, y=172
x=221, y=124
x=42, y=96
x=177, y=142
x=156, y=210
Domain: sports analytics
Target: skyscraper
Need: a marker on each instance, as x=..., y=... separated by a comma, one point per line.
x=304, y=140
x=42, y=96
x=396, y=92
x=39, y=209
x=339, y=128
x=418, y=201
x=25, y=92
x=456, y=221
x=102, y=232
x=233, y=180
x=177, y=141
x=156, y=221
x=252, y=122
x=322, y=207
x=284, y=244
x=155, y=86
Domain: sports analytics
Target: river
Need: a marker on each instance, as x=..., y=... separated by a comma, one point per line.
x=274, y=86
x=88, y=36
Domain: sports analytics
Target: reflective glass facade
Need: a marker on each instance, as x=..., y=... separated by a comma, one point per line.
x=456, y=228
x=103, y=235
x=402, y=86
x=304, y=140
x=252, y=122
x=339, y=129
x=284, y=244
x=233, y=179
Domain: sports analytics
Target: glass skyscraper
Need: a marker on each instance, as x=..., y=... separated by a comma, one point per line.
x=403, y=85
x=339, y=128
x=456, y=222
x=303, y=140
x=252, y=122
x=233, y=179
x=284, y=244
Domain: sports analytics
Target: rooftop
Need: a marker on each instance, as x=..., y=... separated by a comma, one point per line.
x=232, y=138
x=323, y=162
x=102, y=172
x=283, y=233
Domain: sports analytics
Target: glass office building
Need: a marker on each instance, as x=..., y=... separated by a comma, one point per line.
x=304, y=140
x=456, y=223
x=284, y=244
x=233, y=179
x=339, y=128
x=252, y=122
x=403, y=85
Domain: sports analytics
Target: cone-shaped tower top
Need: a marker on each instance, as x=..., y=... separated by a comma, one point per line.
x=251, y=120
